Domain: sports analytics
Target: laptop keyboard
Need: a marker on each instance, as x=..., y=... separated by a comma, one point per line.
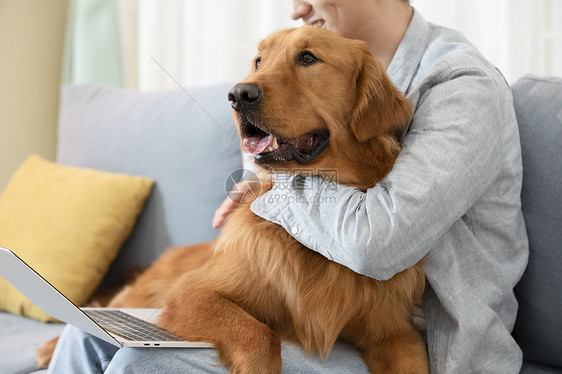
x=129, y=327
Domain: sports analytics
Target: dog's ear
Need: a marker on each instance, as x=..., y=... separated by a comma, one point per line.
x=380, y=108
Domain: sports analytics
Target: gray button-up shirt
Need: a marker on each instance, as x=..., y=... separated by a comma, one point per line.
x=452, y=199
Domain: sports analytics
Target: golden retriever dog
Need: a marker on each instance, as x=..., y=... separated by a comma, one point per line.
x=319, y=100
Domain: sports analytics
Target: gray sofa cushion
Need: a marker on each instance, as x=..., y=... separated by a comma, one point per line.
x=538, y=330
x=183, y=139
x=533, y=368
x=19, y=338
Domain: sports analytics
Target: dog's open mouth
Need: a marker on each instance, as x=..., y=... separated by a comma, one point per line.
x=269, y=148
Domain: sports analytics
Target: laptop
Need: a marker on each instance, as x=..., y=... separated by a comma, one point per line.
x=123, y=327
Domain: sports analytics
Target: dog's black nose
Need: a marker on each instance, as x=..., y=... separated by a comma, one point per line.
x=244, y=96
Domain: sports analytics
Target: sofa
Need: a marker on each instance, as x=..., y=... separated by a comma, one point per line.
x=186, y=142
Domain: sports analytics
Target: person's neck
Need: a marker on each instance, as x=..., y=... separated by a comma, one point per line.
x=394, y=24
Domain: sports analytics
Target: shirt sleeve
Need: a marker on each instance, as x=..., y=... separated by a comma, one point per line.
x=449, y=158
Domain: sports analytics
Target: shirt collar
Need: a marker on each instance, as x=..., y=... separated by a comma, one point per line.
x=407, y=58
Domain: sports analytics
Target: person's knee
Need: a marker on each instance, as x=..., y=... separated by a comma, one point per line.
x=173, y=360
x=126, y=360
x=71, y=333
x=80, y=352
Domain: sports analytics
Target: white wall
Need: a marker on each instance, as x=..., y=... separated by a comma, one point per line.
x=518, y=36
x=202, y=42
x=31, y=45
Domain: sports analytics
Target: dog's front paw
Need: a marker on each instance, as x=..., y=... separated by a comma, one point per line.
x=256, y=353
x=262, y=355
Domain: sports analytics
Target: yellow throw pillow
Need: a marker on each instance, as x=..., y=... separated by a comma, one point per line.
x=68, y=224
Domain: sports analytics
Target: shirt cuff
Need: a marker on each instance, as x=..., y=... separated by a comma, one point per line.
x=295, y=203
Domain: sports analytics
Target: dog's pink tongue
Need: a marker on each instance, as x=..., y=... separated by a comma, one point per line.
x=256, y=144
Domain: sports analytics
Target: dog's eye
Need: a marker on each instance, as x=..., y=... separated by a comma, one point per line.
x=306, y=58
x=257, y=63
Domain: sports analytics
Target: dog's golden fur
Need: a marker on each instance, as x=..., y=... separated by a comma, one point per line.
x=255, y=284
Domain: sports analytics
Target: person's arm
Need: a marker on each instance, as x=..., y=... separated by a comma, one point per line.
x=449, y=158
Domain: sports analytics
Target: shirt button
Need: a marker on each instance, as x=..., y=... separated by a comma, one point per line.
x=294, y=230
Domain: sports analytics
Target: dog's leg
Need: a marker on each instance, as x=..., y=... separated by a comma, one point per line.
x=44, y=353
x=244, y=344
x=402, y=353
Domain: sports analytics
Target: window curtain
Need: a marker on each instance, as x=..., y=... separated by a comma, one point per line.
x=160, y=44
x=194, y=42
x=92, y=51
x=518, y=36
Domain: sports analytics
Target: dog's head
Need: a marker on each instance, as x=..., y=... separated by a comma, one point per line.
x=315, y=98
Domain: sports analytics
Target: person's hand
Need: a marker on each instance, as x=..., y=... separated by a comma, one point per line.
x=243, y=192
